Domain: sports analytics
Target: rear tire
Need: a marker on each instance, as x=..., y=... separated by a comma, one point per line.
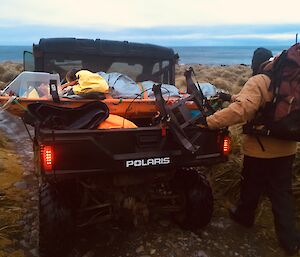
x=55, y=222
x=197, y=199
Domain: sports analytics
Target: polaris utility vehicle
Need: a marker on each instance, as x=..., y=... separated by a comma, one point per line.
x=90, y=175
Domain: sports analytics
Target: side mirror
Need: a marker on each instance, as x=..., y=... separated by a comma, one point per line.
x=28, y=61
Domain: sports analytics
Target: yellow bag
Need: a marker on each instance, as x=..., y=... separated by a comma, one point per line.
x=115, y=121
x=89, y=82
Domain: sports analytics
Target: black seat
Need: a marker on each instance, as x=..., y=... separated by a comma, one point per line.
x=87, y=116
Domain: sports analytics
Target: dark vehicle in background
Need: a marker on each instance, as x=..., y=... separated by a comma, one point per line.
x=140, y=62
x=90, y=176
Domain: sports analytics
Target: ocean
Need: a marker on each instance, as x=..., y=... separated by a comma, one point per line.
x=214, y=55
x=13, y=53
x=218, y=55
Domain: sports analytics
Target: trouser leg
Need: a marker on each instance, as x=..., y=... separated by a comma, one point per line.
x=280, y=193
x=252, y=186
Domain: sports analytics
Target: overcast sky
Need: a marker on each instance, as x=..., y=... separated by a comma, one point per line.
x=169, y=22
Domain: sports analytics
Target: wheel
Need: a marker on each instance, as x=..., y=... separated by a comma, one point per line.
x=200, y=203
x=197, y=199
x=55, y=222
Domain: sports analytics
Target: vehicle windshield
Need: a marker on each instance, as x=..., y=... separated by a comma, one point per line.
x=31, y=84
x=138, y=69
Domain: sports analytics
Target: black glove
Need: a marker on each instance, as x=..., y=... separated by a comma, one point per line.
x=224, y=96
x=202, y=122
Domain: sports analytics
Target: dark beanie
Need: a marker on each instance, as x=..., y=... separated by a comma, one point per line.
x=260, y=55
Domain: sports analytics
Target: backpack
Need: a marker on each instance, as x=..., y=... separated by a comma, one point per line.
x=280, y=118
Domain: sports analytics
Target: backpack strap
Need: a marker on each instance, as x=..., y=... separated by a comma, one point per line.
x=265, y=115
x=277, y=76
x=274, y=71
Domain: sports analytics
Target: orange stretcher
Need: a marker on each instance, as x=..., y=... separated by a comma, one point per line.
x=129, y=108
x=27, y=88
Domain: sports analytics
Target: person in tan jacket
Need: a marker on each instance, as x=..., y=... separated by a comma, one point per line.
x=266, y=169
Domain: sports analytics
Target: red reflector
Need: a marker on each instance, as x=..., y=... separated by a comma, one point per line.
x=47, y=157
x=226, y=145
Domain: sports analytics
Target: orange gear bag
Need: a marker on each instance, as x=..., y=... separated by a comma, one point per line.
x=115, y=121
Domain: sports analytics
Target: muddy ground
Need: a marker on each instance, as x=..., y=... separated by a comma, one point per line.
x=160, y=237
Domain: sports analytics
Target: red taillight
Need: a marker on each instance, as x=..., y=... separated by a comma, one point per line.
x=226, y=145
x=47, y=157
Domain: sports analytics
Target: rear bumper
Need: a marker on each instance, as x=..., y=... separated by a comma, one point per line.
x=73, y=173
x=88, y=152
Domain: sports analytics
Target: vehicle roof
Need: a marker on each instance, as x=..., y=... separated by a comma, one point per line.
x=103, y=48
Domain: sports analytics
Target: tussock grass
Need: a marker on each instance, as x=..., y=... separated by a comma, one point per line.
x=228, y=78
x=11, y=198
x=8, y=71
